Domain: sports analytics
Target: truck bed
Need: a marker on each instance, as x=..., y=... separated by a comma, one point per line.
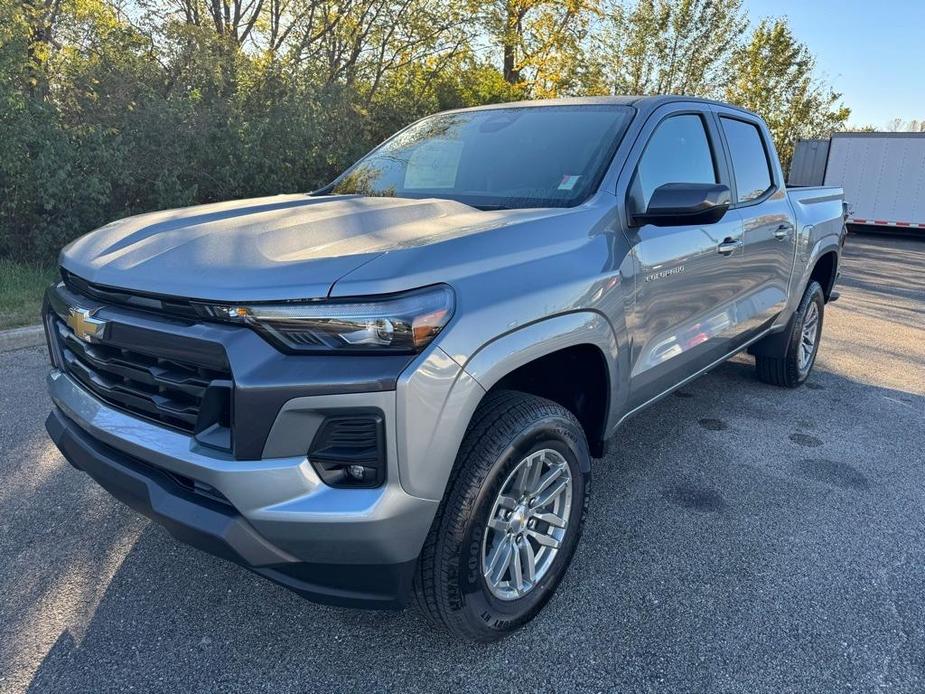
x=818, y=206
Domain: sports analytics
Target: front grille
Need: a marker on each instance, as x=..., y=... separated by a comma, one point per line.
x=176, y=382
x=168, y=391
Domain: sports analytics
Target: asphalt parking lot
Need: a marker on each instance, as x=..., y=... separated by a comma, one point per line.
x=741, y=538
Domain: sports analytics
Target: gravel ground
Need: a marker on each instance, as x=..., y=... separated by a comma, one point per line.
x=741, y=538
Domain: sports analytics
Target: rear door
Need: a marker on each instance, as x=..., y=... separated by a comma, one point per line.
x=682, y=317
x=769, y=235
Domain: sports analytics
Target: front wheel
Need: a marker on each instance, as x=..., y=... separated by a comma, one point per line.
x=792, y=368
x=510, y=521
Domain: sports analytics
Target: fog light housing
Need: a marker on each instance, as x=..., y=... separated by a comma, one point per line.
x=348, y=451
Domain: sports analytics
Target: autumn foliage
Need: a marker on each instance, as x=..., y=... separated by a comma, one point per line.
x=113, y=107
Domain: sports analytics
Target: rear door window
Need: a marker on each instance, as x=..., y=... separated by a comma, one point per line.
x=749, y=159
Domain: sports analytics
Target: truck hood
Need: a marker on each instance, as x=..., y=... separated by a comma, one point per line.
x=264, y=249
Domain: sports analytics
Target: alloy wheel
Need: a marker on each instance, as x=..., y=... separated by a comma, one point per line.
x=527, y=524
x=809, y=336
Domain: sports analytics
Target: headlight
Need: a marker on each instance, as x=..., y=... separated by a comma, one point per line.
x=398, y=323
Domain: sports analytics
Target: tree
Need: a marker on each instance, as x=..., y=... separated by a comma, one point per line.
x=115, y=107
x=898, y=125
x=42, y=17
x=541, y=41
x=670, y=46
x=774, y=76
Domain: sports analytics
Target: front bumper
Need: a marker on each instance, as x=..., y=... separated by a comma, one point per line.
x=351, y=547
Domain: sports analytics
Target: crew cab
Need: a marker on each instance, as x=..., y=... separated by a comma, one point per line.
x=392, y=388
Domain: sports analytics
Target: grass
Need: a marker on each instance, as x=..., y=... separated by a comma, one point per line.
x=21, y=288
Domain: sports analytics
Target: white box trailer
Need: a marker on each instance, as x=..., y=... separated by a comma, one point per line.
x=883, y=175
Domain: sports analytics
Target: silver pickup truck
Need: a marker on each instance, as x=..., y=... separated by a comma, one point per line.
x=392, y=388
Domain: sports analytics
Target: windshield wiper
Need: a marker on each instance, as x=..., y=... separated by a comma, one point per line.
x=490, y=208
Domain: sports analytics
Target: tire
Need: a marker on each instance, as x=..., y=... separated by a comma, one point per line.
x=792, y=368
x=508, y=431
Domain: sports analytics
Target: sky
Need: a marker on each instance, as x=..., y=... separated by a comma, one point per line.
x=869, y=50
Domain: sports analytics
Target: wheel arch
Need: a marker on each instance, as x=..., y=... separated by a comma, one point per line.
x=568, y=359
x=823, y=258
x=824, y=271
x=437, y=398
x=575, y=377
x=823, y=264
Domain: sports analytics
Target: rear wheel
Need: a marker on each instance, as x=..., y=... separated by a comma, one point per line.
x=793, y=367
x=510, y=521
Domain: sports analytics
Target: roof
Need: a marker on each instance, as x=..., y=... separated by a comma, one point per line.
x=647, y=103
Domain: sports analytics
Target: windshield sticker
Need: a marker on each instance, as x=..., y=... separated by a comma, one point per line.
x=433, y=165
x=568, y=182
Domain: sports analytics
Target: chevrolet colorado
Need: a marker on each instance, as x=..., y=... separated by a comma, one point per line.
x=392, y=388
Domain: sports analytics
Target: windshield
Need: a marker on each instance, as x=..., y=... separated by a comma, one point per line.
x=539, y=156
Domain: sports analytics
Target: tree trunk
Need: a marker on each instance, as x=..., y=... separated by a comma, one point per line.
x=512, y=29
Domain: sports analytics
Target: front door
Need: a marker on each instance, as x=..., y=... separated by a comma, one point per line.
x=683, y=315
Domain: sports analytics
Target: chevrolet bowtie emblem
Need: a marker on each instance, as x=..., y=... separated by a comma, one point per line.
x=84, y=325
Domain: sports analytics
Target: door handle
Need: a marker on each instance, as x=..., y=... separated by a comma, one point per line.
x=782, y=231
x=728, y=245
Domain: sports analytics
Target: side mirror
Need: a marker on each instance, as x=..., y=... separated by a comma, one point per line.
x=675, y=204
